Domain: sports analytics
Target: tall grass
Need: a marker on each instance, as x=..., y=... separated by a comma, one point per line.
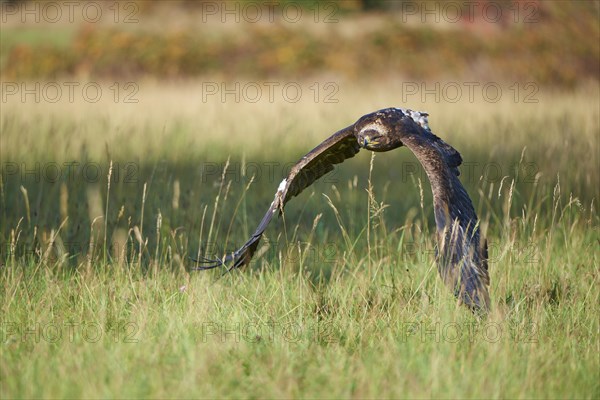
x=343, y=299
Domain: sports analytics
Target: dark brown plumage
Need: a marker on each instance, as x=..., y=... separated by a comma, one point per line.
x=462, y=262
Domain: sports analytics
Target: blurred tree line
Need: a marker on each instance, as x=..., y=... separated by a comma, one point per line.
x=559, y=46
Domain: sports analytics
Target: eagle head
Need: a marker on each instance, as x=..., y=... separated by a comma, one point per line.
x=383, y=130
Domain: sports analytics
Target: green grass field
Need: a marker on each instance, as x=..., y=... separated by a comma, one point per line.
x=344, y=299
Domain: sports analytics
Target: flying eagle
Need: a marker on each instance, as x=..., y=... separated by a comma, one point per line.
x=462, y=261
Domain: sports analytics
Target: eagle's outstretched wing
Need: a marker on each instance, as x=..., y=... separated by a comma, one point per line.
x=319, y=161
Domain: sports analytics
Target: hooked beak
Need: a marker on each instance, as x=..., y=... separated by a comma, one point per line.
x=367, y=142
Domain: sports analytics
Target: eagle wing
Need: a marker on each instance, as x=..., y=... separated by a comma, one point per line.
x=319, y=161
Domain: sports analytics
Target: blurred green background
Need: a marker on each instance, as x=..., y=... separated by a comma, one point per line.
x=168, y=91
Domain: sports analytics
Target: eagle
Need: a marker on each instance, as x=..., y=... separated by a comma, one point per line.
x=461, y=255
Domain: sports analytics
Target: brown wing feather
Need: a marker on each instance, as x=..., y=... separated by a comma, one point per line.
x=319, y=161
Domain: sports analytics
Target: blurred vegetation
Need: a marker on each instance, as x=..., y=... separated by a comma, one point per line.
x=102, y=203
x=545, y=50
x=56, y=166
x=110, y=251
